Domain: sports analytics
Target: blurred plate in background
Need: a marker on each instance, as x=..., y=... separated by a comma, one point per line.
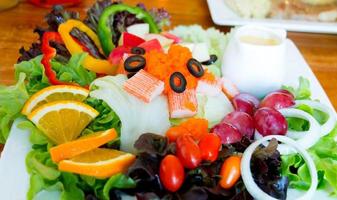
x=224, y=16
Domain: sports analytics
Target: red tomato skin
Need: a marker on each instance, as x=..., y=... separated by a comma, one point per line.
x=171, y=173
x=209, y=147
x=188, y=152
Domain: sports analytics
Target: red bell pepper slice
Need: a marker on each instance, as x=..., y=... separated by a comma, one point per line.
x=130, y=40
x=48, y=54
x=151, y=45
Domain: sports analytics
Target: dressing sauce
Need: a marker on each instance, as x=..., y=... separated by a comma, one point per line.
x=256, y=40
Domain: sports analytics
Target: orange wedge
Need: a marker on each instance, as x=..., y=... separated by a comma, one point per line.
x=62, y=121
x=54, y=93
x=99, y=163
x=81, y=145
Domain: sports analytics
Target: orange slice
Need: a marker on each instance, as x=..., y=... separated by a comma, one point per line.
x=62, y=121
x=54, y=93
x=81, y=145
x=99, y=163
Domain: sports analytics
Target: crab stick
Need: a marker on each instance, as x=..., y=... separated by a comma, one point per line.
x=209, y=85
x=183, y=104
x=229, y=88
x=144, y=86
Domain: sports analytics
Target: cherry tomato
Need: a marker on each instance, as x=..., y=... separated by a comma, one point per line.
x=174, y=132
x=171, y=173
x=188, y=151
x=230, y=172
x=209, y=147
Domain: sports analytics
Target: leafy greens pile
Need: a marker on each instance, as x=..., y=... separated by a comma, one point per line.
x=46, y=177
x=323, y=152
x=200, y=183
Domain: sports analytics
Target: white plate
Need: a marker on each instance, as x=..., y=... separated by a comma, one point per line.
x=224, y=16
x=14, y=180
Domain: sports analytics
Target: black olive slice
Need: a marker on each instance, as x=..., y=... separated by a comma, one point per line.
x=182, y=82
x=213, y=58
x=130, y=75
x=195, y=68
x=138, y=50
x=134, y=63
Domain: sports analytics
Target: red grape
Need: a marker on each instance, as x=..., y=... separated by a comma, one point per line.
x=227, y=133
x=278, y=100
x=285, y=92
x=246, y=103
x=242, y=121
x=269, y=121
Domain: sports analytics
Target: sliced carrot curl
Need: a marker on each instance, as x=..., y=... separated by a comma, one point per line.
x=198, y=128
x=162, y=65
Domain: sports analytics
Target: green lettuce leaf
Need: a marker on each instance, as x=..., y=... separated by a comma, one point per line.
x=36, y=185
x=118, y=181
x=106, y=119
x=73, y=71
x=324, y=154
x=36, y=136
x=12, y=99
x=71, y=190
x=299, y=124
x=35, y=75
x=45, y=176
x=302, y=91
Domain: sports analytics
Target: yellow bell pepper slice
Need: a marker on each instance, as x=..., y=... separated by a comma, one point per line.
x=91, y=63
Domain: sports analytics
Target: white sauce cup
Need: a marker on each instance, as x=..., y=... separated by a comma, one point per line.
x=256, y=66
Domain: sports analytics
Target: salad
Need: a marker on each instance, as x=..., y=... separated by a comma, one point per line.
x=117, y=108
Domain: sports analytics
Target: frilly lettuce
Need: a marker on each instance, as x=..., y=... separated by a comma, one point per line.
x=31, y=78
x=47, y=181
x=35, y=75
x=12, y=99
x=323, y=152
x=302, y=91
x=325, y=158
x=72, y=71
x=106, y=119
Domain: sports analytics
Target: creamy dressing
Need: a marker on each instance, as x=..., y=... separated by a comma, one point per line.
x=256, y=40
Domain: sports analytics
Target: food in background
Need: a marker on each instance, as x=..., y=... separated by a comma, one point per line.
x=250, y=8
x=309, y=10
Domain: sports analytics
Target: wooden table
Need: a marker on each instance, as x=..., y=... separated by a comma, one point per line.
x=319, y=50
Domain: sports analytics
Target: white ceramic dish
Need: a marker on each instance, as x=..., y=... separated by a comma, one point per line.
x=14, y=180
x=224, y=16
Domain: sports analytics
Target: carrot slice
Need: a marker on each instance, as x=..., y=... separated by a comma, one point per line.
x=81, y=145
x=198, y=128
x=174, y=132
